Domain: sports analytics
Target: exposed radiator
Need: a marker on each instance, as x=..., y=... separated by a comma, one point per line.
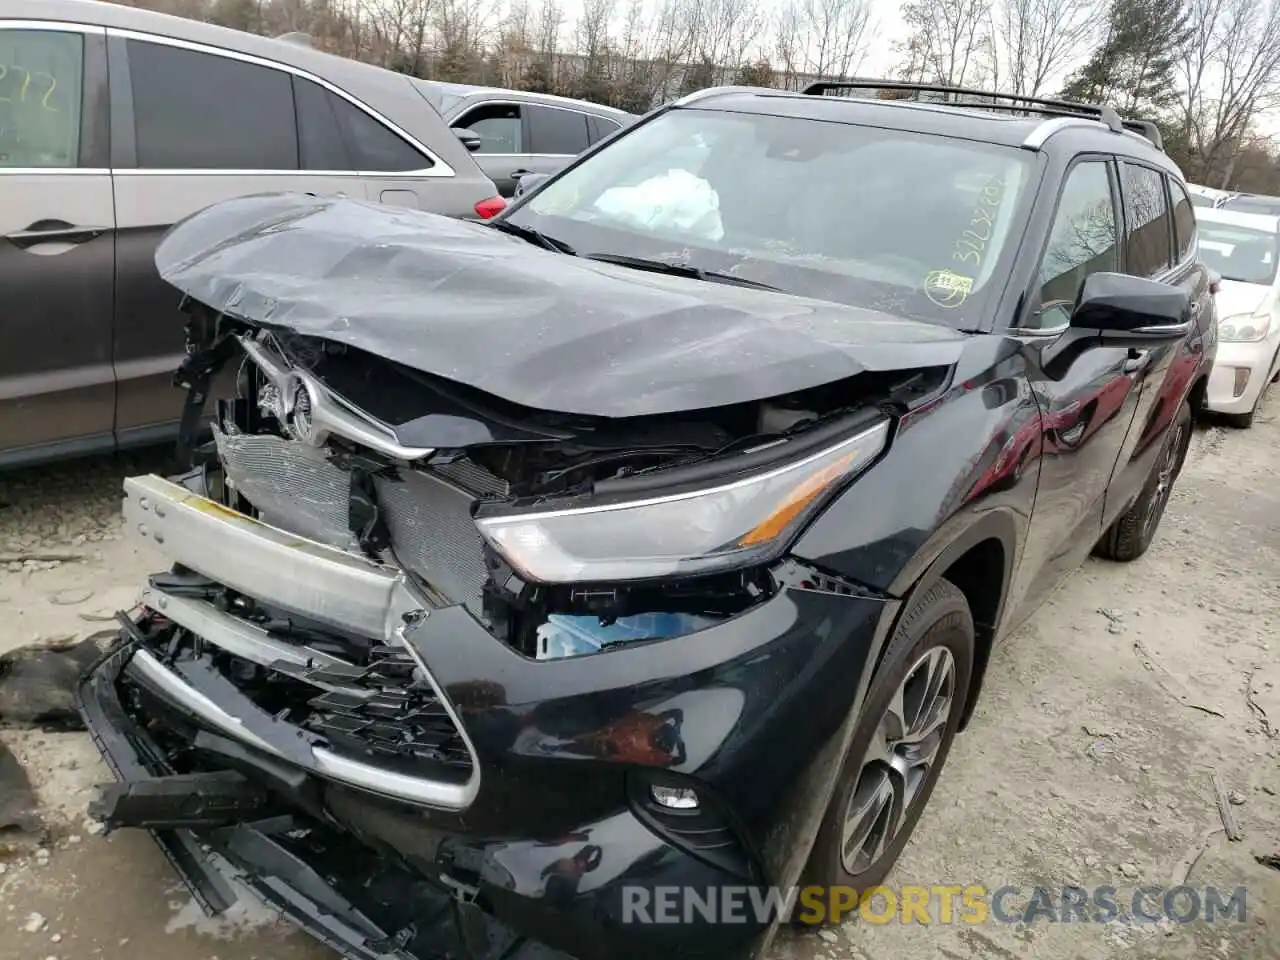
x=294, y=487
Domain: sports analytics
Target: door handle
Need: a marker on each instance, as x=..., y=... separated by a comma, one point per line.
x=517, y=174
x=1071, y=436
x=53, y=231
x=1137, y=360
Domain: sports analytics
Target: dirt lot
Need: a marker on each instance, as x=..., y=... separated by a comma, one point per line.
x=1089, y=761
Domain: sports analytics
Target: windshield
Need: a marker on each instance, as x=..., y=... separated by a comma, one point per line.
x=906, y=223
x=1238, y=253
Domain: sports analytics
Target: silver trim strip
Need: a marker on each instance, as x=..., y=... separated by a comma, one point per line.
x=330, y=174
x=176, y=688
x=231, y=633
x=327, y=414
x=535, y=156
x=1037, y=137
x=58, y=26
x=439, y=168
x=1040, y=332
x=1164, y=329
x=56, y=171
x=308, y=578
x=433, y=793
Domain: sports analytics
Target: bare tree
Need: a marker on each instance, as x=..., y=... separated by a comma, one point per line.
x=834, y=34
x=1030, y=42
x=947, y=40
x=462, y=26
x=1231, y=73
x=789, y=44
x=549, y=21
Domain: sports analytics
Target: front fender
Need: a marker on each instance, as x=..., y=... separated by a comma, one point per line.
x=963, y=467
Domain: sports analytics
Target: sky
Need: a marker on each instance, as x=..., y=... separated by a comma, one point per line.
x=888, y=29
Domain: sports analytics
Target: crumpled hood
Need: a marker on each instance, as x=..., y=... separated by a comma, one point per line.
x=462, y=301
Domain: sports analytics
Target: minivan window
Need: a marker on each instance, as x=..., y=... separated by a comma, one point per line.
x=41, y=87
x=199, y=111
x=555, y=131
x=335, y=134
x=374, y=148
x=1148, y=251
x=1184, y=219
x=320, y=138
x=902, y=222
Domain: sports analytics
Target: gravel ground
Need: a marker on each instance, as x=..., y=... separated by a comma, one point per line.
x=1089, y=760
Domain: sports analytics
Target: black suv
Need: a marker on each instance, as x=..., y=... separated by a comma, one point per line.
x=645, y=548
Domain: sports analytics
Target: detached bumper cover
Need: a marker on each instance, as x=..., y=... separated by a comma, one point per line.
x=212, y=862
x=545, y=834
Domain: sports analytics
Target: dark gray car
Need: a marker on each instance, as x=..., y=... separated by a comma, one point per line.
x=520, y=132
x=114, y=124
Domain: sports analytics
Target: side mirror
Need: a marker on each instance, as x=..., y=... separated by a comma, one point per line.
x=530, y=182
x=1123, y=309
x=470, y=139
x=1117, y=310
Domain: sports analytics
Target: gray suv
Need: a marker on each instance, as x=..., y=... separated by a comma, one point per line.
x=114, y=124
x=515, y=133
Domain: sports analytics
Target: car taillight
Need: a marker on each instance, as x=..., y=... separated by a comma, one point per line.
x=490, y=208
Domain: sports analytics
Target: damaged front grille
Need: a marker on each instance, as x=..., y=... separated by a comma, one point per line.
x=381, y=710
x=298, y=487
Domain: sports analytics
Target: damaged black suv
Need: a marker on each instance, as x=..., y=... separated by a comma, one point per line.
x=547, y=578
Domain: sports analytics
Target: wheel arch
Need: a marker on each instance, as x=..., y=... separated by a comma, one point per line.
x=979, y=560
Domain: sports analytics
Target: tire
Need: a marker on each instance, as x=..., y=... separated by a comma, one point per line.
x=1131, y=534
x=937, y=631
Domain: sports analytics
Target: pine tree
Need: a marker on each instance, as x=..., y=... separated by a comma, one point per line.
x=1135, y=67
x=758, y=74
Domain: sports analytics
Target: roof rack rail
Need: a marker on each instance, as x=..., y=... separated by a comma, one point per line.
x=1018, y=103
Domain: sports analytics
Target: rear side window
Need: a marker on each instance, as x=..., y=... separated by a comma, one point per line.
x=335, y=134
x=374, y=147
x=200, y=111
x=1148, y=250
x=320, y=137
x=554, y=131
x=41, y=87
x=598, y=128
x=1184, y=220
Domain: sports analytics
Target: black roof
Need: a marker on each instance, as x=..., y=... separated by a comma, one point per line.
x=967, y=121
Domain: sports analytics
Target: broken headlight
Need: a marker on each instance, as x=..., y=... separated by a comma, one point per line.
x=700, y=531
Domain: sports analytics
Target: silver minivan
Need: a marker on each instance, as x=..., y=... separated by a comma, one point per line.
x=114, y=124
x=519, y=133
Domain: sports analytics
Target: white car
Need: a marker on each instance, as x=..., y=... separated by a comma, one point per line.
x=1244, y=249
x=1207, y=196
